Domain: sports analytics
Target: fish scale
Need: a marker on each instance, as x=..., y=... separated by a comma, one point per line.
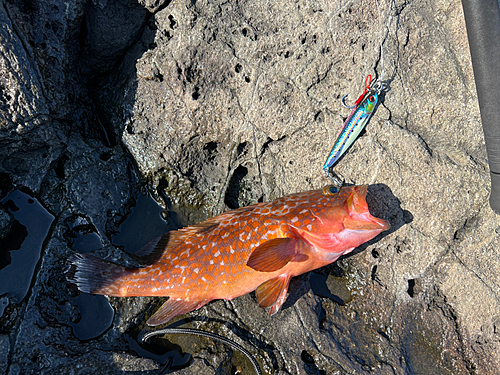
x=259, y=247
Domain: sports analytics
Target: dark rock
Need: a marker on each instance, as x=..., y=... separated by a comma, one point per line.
x=216, y=105
x=6, y=220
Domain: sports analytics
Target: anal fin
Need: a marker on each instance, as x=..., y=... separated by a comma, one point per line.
x=273, y=293
x=172, y=308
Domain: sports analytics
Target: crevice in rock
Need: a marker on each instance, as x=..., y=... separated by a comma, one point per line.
x=59, y=167
x=440, y=302
x=242, y=148
x=231, y=198
x=310, y=365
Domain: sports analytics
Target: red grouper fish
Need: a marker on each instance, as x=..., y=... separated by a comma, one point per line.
x=259, y=247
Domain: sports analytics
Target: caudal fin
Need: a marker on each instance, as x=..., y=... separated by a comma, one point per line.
x=92, y=275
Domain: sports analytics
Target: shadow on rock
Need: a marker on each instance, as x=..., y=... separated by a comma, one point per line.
x=383, y=204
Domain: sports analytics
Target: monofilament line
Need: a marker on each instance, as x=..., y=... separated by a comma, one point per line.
x=381, y=42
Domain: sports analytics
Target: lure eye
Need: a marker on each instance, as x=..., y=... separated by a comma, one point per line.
x=371, y=99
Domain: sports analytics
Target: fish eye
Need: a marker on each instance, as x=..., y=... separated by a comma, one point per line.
x=333, y=190
x=371, y=98
x=330, y=190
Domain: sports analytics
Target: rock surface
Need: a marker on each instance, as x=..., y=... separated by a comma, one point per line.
x=214, y=105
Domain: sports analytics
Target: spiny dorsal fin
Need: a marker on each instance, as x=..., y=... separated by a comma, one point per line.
x=154, y=250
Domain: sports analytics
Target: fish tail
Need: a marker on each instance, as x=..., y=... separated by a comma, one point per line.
x=92, y=275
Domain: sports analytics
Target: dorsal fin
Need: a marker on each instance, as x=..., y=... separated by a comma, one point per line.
x=154, y=250
x=150, y=253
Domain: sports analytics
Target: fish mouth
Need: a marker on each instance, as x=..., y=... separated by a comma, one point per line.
x=367, y=222
x=381, y=223
x=360, y=217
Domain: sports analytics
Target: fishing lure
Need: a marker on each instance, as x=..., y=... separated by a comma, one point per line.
x=358, y=118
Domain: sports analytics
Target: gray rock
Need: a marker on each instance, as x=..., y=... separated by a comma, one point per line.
x=223, y=104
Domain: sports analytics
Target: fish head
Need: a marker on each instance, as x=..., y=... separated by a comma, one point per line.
x=343, y=221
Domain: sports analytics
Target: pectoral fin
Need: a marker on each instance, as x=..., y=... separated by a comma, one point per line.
x=172, y=308
x=274, y=254
x=273, y=293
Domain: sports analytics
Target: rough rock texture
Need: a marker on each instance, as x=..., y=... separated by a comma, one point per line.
x=214, y=105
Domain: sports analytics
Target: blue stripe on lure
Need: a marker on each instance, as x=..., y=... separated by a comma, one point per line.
x=355, y=123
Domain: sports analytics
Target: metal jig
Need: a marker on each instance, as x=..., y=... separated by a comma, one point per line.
x=356, y=121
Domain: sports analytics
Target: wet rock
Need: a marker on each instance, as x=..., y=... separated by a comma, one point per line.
x=111, y=28
x=214, y=105
x=4, y=350
x=6, y=220
x=27, y=140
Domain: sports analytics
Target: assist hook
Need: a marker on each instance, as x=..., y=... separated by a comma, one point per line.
x=368, y=81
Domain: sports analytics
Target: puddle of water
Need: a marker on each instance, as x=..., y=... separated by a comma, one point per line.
x=142, y=225
x=86, y=242
x=96, y=316
x=21, y=249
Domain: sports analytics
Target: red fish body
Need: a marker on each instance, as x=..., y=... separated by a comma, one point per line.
x=259, y=247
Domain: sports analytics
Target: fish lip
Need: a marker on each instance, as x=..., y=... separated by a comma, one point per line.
x=366, y=221
x=373, y=224
x=379, y=224
x=384, y=224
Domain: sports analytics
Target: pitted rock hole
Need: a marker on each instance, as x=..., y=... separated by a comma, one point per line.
x=413, y=287
x=59, y=168
x=196, y=93
x=231, y=198
x=173, y=22
x=211, y=149
x=242, y=148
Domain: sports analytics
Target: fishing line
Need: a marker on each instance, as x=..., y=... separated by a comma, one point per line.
x=381, y=40
x=361, y=113
x=211, y=335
